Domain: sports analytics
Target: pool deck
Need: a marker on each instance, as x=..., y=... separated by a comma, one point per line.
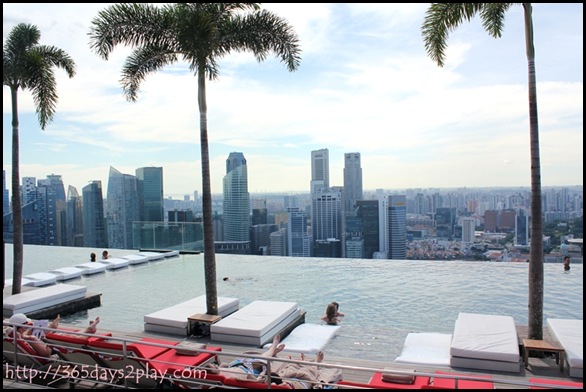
x=353, y=368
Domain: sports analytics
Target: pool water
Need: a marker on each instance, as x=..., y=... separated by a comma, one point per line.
x=383, y=300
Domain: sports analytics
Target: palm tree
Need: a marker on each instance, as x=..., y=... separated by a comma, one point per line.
x=200, y=34
x=440, y=19
x=28, y=65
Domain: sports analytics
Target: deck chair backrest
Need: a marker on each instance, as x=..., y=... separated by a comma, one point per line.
x=23, y=354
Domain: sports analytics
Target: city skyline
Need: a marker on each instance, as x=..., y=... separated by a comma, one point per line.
x=366, y=87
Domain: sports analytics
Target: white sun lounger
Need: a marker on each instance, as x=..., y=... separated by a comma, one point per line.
x=66, y=273
x=41, y=298
x=569, y=335
x=485, y=342
x=114, y=263
x=173, y=320
x=153, y=255
x=137, y=258
x=308, y=338
x=40, y=279
x=432, y=349
x=91, y=268
x=256, y=323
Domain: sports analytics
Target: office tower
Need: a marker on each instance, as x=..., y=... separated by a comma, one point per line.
x=5, y=195
x=445, y=221
x=260, y=238
x=383, y=224
x=352, y=180
x=397, y=218
x=94, y=221
x=468, y=228
x=522, y=228
x=326, y=221
x=236, y=199
x=298, y=240
x=52, y=209
x=122, y=209
x=320, y=170
x=150, y=190
x=28, y=190
x=367, y=212
x=74, y=218
x=279, y=242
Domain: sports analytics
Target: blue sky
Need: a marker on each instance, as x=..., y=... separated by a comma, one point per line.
x=365, y=84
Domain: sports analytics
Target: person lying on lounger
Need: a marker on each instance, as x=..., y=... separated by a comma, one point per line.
x=24, y=332
x=249, y=369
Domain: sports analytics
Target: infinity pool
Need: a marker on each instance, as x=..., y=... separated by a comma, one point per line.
x=383, y=300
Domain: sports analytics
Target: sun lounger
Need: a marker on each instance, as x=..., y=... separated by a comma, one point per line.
x=66, y=273
x=308, y=338
x=569, y=335
x=136, y=258
x=485, y=342
x=41, y=298
x=40, y=279
x=174, y=320
x=256, y=323
x=397, y=380
x=555, y=384
x=149, y=356
x=432, y=349
x=90, y=268
x=114, y=263
x=455, y=382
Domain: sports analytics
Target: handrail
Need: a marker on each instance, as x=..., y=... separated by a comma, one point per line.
x=271, y=362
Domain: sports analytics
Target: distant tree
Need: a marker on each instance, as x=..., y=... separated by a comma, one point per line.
x=28, y=65
x=200, y=34
x=440, y=19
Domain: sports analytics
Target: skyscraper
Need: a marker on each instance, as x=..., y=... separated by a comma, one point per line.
x=122, y=209
x=468, y=228
x=150, y=190
x=397, y=227
x=74, y=218
x=352, y=180
x=52, y=206
x=298, y=241
x=236, y=199
x=94, y=221
x=326, y=220
x=320, y=170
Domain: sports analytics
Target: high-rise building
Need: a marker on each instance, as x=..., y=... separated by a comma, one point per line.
x=74, y=218
x=352, y=180
x=53, y=206
x=28, y=190
x=397, y=218
x=445, y=221
x=150, y=191
x=94, y=221
x=279, y=242
x=298, y=240
x=326, y=222
x=236, y=199
x=367, y=211
x=522, y=228
x=320, y=170
x=468, y=228
x=122, y=209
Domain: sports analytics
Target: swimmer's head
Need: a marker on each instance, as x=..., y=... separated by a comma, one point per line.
x=225, y=279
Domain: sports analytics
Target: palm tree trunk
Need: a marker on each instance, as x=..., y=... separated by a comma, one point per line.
x=535, y=320
x=17, y=231
x=209, y=254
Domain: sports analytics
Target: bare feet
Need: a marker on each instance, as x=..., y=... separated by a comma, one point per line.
x=55, y=323
x=319, y=357
x=93, y=327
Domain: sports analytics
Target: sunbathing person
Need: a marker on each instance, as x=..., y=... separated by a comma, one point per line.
x=301, y=376
x=24, y=332
x=249, y=369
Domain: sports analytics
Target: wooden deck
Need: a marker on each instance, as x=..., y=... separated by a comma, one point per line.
x=360, y=370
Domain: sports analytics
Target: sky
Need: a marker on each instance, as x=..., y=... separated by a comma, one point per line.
x=364, y=84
